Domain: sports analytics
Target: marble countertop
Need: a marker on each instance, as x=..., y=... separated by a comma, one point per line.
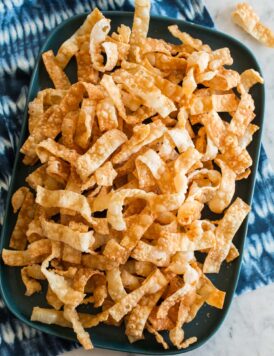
x=249, y=327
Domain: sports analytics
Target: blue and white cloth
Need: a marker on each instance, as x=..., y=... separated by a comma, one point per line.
x=24, y=26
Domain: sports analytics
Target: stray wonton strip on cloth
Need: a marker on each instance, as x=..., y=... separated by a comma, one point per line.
x=129, y=161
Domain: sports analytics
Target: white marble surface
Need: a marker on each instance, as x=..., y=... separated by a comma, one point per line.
x=249, y=327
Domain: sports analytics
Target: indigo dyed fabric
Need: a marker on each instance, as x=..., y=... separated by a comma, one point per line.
x=24, y=26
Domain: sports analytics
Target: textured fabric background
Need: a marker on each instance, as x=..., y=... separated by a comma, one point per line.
x=24, y=26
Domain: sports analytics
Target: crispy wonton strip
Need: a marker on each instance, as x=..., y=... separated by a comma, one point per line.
x=57, y=75
x=99, y=152
x=18, y=238
x=49, y=147
x=98, y=36
x=84, y=123
x=115, y=286
x=64, y=199
x=226, y=190
x=152, y=284
x=142, y=136
x=225, y=231
x=245, y=17
x=114, y=93
x=81, y=241
x=29, y=275
x=35, y=253
x=139, y=315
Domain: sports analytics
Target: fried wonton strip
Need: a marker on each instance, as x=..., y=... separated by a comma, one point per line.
x=115, y=286
x=176, y=334
x=142, y=136
x=249, y=78
x=83, y=336
x=105, y=175
x=51, y=316
x=225, y=231
x=232, y=254
x=36, y=111
x=106, y=115
x=98, y=36
x=68, y=128
x=64, y=199
x=49, y=147
x=51, y=124
x=35, y=253
x=243, y=115
x=99, y=262
x=215, y=127
x=154, y=162
x=29, y=275
x=181, y=166
x=152, y=284
x=58, y=170
x=140, y=27
x=148, y=92
x=18, y=198
x=70, y=47
x=57, y=75
x=140, y=22
x=116, y=202
x=135, y=230
x=53, y=300
x=139, y=315
x=159, y=338
x=69, y=254
x=18, y=240
x=114, y=93
x=219, y=103
x=58, y=232
x=226, y=190
x=185, y=37
x=245, y=17
x=212, y=295
x=84, y=123
x=99, y=152
x=70, y=297
x=172, y=299
x=168, y=245
x=85, y=71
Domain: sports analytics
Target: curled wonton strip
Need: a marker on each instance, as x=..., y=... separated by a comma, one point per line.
x=226, y=190
x=98, y=36
x=70, y=47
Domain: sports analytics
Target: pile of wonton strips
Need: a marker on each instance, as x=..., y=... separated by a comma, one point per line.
x=130, y=156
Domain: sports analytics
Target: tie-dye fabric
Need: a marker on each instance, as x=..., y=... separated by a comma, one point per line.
x=24, y=26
